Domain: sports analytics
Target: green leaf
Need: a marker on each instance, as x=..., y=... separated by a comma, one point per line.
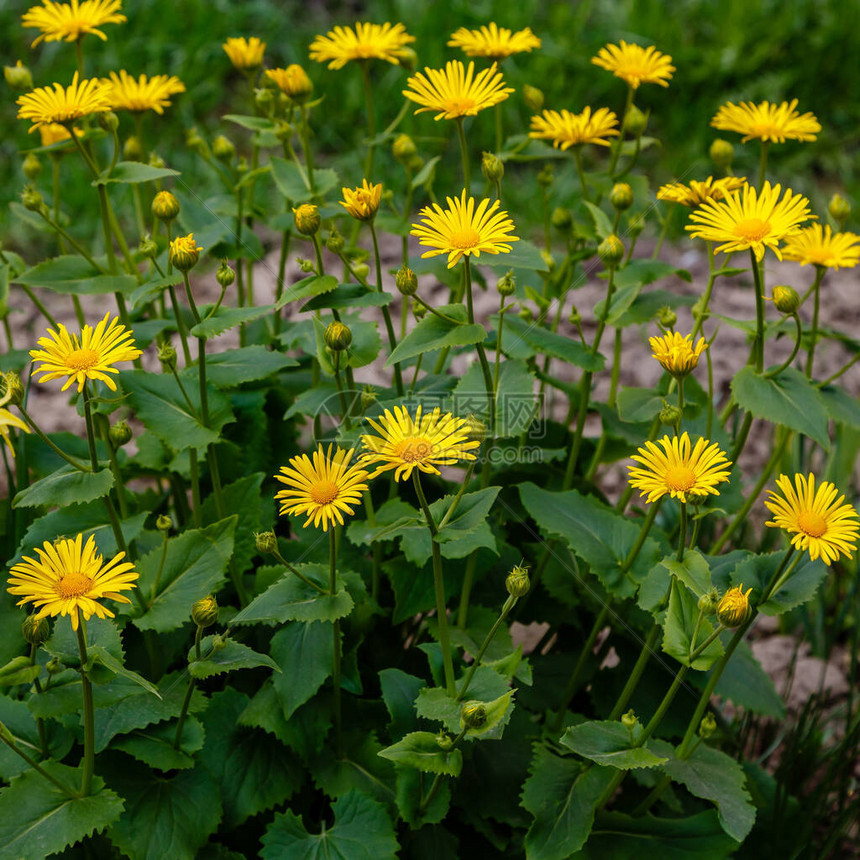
x=524, y=340
x=159, y=404
x=678, y=628
x=37, y=819
x=644, y=272
x=561, y=797
x=756, y=571
x=232, y=656
x=361, y=831
x=841, y=406
x=231, y=368
x=99, y=655
x=134, y=172
x=243, y=497
x=252, y=123
x=18, y=671
x=66, y=486
x=306, y=288
x=305, y=653
x=226, y=318
x=399, y=691
x=487, y=686
x=789, y=399
x=154, y=747
x=409, y=793
x=426, y=174
x=693, y=571
x=420, y=750
x=194, y=567
x=19, y=721
x=498, y=713
x=348, y=297
x=609, y=743
x=638, y=404
x=433, y=333
x=602, y=224
x=516, y=403
x=291, y=184
x=74, y=276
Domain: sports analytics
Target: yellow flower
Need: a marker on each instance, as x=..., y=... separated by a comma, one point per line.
x=362, y=202
x=750, y=219
x=47, y=105
x=767, y=122
x=7, y=420
x=69, y=578
x=461, y=229
x=365, y=42
x=821, y=247
x=153, y=93
x=493, y=42
x=184, y=252
x=566, y=129
x=70, y=21
x=292, y=81
x=696, y=193
x=90, y=357
x=456, y=91
x=679, y=470
x=635, y=65
x=734, y=607
x=324, y=488
x=676, y=352
x=245, y=54
x=424, y=442
x=53, y=132
x=818, y=521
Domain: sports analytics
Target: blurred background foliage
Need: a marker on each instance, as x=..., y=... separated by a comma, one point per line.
x=723, y=50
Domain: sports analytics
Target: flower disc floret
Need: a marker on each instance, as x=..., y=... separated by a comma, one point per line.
x=679, y=470
x=70, y=21
x=461, y=229
x=493, y=42
x=635, y=65
x=153, y=93
x=566, y=129
x=815, y=518
x=696, y=193
x=676, y=352
x=820, y=246
x=362, y=202
x=245, y=54
x=365, y=41
x=59, y=104
x=456, y=91
x=767, y=122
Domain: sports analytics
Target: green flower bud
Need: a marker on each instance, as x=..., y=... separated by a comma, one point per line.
x=786, y=299
x=722, y=153
x=629, y=719
x=335, y=242
x=575, y=317
x=444, y=741
x=408, y=59
x=36, y=630
x=167, y=357
x=621, y=196
x=517, y=582
x=155, y=160
x=307, y=218
x=337, y=336
x=709, y=602
x=707, y=727
x=165, y=206
x=414, y=164
x=368, y=397
x=545, y=177
x=548, y=259
x=109, y=121
x=666, y=317
x=148, y=248
x=18, y=77
x=362, y=270
x=635, y=122
x=132, y=149
x=120, y=434
x=283, y=130
x=219, y=643
x=562, y=219
x=406, y=281
x=32, y=200
x=492, y=167
x=53, y=666
x=611, y=251
x=533, y=97
x=267, y=542
x=507, y=284
x=306, y=266
x=223, y=149
x=635, y=225
x=525, y=314
x=163, y=523
x=204, y=612
x=225, y=275
x=473, y=715
x=669, y=415
x=11, y=389
x=419, y=311
x=839, y=209
x=195, y=143
x=264, y=98
x=31, y=166
x=403, y=148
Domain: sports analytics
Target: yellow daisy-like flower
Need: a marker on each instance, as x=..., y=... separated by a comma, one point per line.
x=566, y=129
x=677, y=353
x=424, y=442
x=456, y=91
x=7, y=420
x=822, y=247
x=245, y=54
x=292, y=81
x=635, y=64
x=365, y=42
x=462, y=230
x=324, y=488
x=734, y=607
x=679, y=470
x=493, y=42
x=818, y=521
x=90, y=357
x=69, y=578
x=153, y=93
x=69, y=21
x=362, y=202
x=750, y=219
x=53, y=132
x=58, y=104
x=696, y=193
x=767, y=122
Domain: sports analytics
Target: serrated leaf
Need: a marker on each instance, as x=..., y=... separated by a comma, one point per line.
x=348, y=297
x=252, y=123
x=609, y=743
x=678, y=628
x=421, y=751
x=602, y=224
x=229, y=658
x=306, y=288
x=409, y=793
x=134, y=172
x=433, y=333
x=243, y=497
x=304, y=652
x=399, y=691
x=693, y=571
x=498, y=714
x=102, y=634
x=756, y=571
x=99, y=655
x=226, y=318
x=18, y=671
x=523, y=340
x=72, y=275
x=233, y=367
x=154, y=747
x=68, y=486
x=638, y=404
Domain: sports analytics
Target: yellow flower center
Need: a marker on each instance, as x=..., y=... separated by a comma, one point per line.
x=680, y=478
x=73, y=585
x=324, y=492
x=414, y=449
x=82, y=359
x=752, y=229
x=464, y=239
x=811, y=523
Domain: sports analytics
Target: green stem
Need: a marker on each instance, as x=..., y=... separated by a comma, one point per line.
x=702, y=314
x=464, y=155
x=619, y=141
x=371, y=117
x=386, y=315
x=33, y=764
x=162, y=559
x=506, y=608
x=813, y=334
x=277, y=554
x=762, y=166
x=39, y=306
x=304, y=136
x=797, y=338
x=577, y=157
x=758, y=343
x=58, y=451
x=636, y=674
x=336, y=666
x=183, y=713
x=682, y=533
x=437, y=780
x=89, y=711
x=499, y=128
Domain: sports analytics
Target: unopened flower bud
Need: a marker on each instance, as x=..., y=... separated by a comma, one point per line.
x=31, y=166
x=306, y=266
x=219, y=643
x=368, y=397
x=562, y=219
x=517, y=582
x=525, y=314
x=839, y=209
x=148, y=248
x=307, y=218
x=629, y=719
x=18, y=77
x=335, y=242
x=734, y=608
x=223, y=149
x=132, y=149
x=31, y=199
x=666, y=317
x=283, y=130
x=786, y=299
x=611, y=251
x=155, y=160
x=548, y=259
x=635, y=122
x=337, y=336
x=621, y=196
x=444, y=741
x=120, y=434
x=263, y=98
x=36, y=630
x=163, y=523
x=419, y=311
x=267, y=542
x=109, y=121
x=167, y=357
x=406, y=281
x=361, y=270
x=722, y=153
x=707, y=727
x=473, y=715
x=492, y=167
x=407, y=58
x=635, y=225
x=53, y=666
x=545, y=177
x=403, y=148
x=225, y=275
x=533, y=97
x=195, y=143
x=709, y=602
x=414, y=164
x=184, y=253
x=204, y=612
x=507, y=284
x=669, y=415
x=165, y=206
x=11, y=389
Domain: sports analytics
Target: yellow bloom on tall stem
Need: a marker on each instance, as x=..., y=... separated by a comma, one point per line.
x=90, y=356
x=70, y=576
x=58, y=104
x=70, y=21
x=566, y=129
x=362, y=202
x=816, y=519
x=680, y=469
x=493, y=42
x=750, y=219
x=635, y=65
x=456, y=90
x=424, y=442
x=676, y=352
x=822, y=247
x=292, y=81
x=463, y=230
x=695, y=193
x=153, y=93
x=767, y=122
x=245, y=54
x=325, y=487
x=364, y=42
